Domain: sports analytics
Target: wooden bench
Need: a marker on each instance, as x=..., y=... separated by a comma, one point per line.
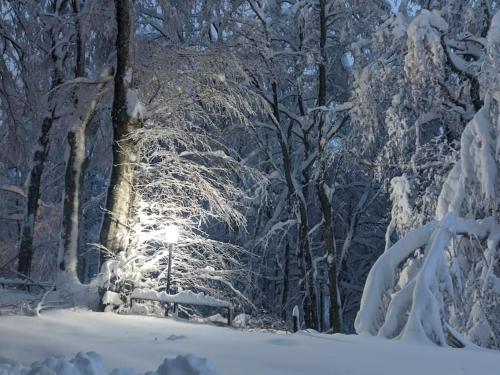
x=25, y=283
x=182, y=298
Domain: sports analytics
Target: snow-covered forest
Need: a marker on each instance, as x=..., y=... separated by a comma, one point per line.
x=299, y=170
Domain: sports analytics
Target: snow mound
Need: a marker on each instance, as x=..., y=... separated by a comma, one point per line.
x=216, y=319
x=241, y=320
x=185, y=365
x=83, y=364
x=111, y=298
x=135, y=109
x=92, y=364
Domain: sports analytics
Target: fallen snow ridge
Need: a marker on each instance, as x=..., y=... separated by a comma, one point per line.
x=91, y=364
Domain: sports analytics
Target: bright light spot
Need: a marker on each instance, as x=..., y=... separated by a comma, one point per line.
x=171, y=233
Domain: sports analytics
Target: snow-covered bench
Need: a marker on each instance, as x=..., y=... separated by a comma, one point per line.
x=186, y=297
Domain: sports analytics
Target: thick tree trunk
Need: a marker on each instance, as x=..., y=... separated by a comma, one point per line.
x=68, y=254
x=310, y=302
x=331, y=252
x=68, y=248
x=115, y=227
x=35, y=179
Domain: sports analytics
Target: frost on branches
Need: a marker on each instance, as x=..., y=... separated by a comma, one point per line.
x=188, y=179
x=439, y=282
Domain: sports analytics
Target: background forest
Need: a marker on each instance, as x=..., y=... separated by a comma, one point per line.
x=338, y=156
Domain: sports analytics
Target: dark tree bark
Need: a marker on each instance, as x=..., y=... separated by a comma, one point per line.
x=310, y=301
x=324, y=199
x=115, y=227
x=35, y=179
x=80, y=44
x=330, y=247
x=286, y=281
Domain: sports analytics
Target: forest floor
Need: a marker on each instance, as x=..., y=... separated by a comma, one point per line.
x=141, y=343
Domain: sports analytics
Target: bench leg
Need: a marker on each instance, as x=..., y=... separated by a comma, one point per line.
x=176, y=309
x=295, y=321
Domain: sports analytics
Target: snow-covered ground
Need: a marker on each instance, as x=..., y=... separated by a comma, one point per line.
x=142, y=343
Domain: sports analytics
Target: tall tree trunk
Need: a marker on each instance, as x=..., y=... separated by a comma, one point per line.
x=80, y=43
x=311, y=316
x=310, y=301
x=286, y=280
x=68, y=254
x=68, y=248
x=34, y=183
x=324, y=199
x=303, y=250
x=115, y=227
x=331, y=259
x=39, y=158
x=295, y=194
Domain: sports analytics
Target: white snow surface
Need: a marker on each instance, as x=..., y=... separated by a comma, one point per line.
x=141, y=343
